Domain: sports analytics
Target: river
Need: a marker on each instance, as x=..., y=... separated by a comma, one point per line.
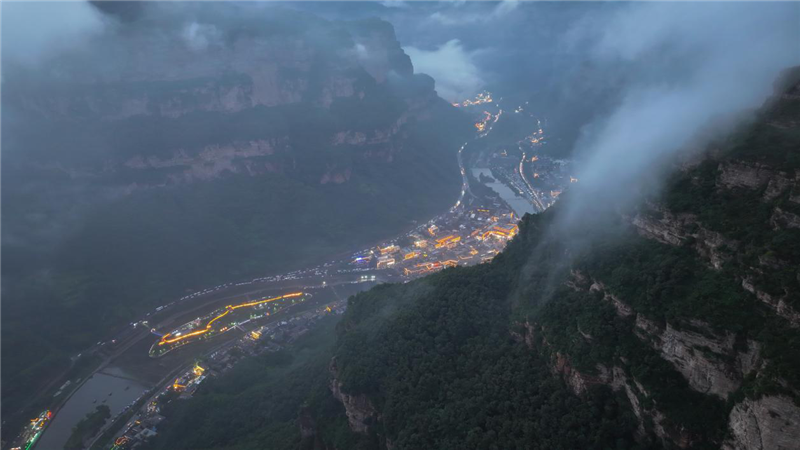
x=122, y=388
x=519, y=204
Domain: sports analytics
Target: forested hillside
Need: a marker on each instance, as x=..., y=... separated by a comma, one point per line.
x=671, y=322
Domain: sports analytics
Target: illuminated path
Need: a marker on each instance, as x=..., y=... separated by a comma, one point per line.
x=168, y=340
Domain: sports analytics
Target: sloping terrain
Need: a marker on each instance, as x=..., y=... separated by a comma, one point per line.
x=668, y=324
x=681, y=311
x=155, y=167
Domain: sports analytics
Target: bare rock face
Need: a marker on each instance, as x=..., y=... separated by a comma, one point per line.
x=778, y=305
x=753, y=176
x=744, y=175
x=659, y=224
x=769, y=423
x=616, y=378
x=700, y=360
x=526, y=336
x=210, y=162
x=622, y=309
x=577, y=381
x=677, y=229
x=358, y=408
x=703, y=357
x=782, y=220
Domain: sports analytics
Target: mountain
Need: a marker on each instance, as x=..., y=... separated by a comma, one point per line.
x=169, y=156
x=671, y=322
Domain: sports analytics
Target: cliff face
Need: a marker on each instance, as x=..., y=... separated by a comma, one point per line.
x=685, y=307
x=358, y=408
x=249, y=103
x=735, y=212
x=770, y=422
x=311, y=60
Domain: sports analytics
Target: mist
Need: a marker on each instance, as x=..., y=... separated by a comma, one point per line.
x=694, y=64
x=457, y=77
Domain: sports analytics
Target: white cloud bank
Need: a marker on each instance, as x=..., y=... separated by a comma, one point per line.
x=457, y=77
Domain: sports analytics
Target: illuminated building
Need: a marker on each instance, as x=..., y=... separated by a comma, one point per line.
x=500, y=232
x=410, y=255
x=448, y=241
x=389, y=250
x=385, y=261
x=177, y=386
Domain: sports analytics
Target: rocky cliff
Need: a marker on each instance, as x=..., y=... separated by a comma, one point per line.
x=358, y=408
x=165, y=112
x=683, y=306
x=735, y=213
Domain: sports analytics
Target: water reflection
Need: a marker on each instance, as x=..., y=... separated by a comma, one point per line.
x=112, y=387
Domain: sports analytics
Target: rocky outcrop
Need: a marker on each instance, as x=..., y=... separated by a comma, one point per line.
x=769, y=423
x=212, y=161
x=703, y=359
x=708, y=361
x=617, y=379
x=659, y=224
x=777, y=304
x=622, y=309
x=577, y=381
x=373, y=137
x=526, y=334
x=711, y=362
x=358, y=408
x=782, y=220
x=740, y=174
x=754, y=176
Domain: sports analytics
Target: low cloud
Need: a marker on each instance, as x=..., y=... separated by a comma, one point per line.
x=693, y=64
x=35, y=31
x=457, y=16
x=453, y=68
x=198, y=36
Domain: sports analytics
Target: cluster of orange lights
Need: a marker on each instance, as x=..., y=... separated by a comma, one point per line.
x=411, y=255
x=483, y=97
x=168, y=340
x=431, y=266
x=500, y=232
x=447, y=241
x=388, y=250
x=482, y=124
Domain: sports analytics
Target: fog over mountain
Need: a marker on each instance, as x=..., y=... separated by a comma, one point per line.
x=400, y=225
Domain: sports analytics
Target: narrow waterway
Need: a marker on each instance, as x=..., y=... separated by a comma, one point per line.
x=519, y=204
x=112, y=387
